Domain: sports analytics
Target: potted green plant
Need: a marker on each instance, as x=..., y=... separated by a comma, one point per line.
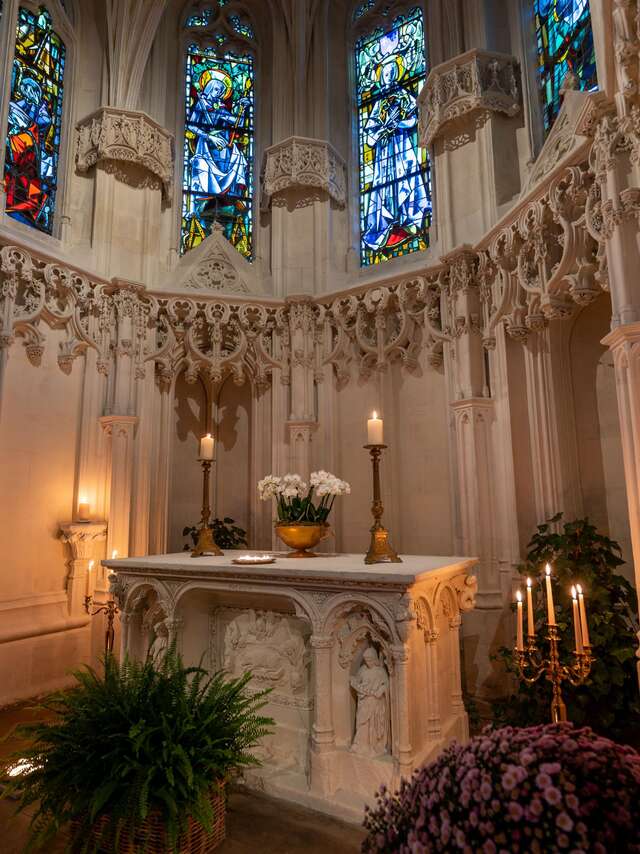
x=303, y=510
x=608, y=701
x=135, y=760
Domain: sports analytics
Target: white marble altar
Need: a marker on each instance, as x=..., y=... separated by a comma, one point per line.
x=363, y=662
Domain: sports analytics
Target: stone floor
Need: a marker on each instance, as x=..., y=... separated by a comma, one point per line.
x=256, y=824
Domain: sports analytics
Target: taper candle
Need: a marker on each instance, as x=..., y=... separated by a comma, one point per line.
x=375, y=430
x=90, y=567
x=519, y=641
x=206, y=447
x=576, y=620
x=583, y=617
x=84, y=509
x=531, y=626
x=551, y=614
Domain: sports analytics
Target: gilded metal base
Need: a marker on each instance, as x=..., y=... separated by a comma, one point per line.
x=380, y=549
x=206, y=545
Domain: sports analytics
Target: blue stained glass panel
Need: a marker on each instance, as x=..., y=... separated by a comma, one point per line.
x=565, y=44
x=395, y=183
x=34, y=121
x=218, y=148
x=241, y=27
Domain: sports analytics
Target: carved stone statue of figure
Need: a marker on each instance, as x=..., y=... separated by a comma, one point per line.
x=159, y=646
x=371, y=684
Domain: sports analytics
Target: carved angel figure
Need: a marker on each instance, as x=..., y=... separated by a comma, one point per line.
x=371, y=684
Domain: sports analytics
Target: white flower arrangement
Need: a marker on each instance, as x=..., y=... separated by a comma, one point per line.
x=295, y=498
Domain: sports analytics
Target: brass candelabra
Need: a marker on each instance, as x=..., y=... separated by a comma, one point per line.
x=532, y=665
x=380, y=549
x=205, y=545
x=110, y=609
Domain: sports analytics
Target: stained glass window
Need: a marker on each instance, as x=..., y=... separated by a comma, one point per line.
x=395, y=183
x=565, y=45
x=34, y=121
x=218, y=147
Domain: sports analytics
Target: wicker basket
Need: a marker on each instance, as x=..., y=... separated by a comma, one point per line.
x=150, y=835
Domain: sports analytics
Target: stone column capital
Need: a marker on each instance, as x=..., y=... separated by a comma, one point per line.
x=116, y=137
x=300, y=162
x=82, y=536
x=466, y=89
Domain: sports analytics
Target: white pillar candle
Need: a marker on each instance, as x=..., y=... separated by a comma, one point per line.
x=576, y=620
x=583, y=617
x=551, y=614
x=519, y=640
x=375, y=430
x=206, y=447
x=89, y=568
x=531, y=625
x=84, y=509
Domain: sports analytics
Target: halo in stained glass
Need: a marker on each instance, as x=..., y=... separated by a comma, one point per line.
x=34, y=121
x=565, y=45
x=218, y=148
x=395, y=183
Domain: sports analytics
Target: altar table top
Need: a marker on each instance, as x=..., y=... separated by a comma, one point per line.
x=334, y=570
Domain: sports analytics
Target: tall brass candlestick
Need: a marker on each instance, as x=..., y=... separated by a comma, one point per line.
x=380, y=549
x=206, y=545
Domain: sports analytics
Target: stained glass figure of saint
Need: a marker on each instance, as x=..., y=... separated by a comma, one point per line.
x=395, y=187
x=218, y=148
x=565, y=45
x=34, y=119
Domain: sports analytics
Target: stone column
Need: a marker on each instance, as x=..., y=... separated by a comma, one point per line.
x=434, y=727
x=82, y=539
x=322, y=734
x=402, y=753
x=302, y=420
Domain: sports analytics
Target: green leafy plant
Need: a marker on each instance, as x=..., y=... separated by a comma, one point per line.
x=608, y=701
x=226, y=534
x=139, y=738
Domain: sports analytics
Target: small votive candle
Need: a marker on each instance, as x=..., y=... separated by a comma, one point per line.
x=519, y=638
x=84, y=509
x=375, y=430
x=206, y=447
x=551, y=614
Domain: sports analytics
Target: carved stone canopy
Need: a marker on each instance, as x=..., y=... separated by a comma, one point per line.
x=114, y=137
x=300, y=162
x=476, y=82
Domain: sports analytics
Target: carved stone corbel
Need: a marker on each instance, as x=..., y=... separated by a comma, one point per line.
x=302, y=163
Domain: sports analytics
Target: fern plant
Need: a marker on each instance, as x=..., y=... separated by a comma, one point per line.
x=138, y=738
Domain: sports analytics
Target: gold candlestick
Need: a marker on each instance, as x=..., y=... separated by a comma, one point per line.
x=532, y=665
x=380, y=549
x=206, y=545
x=110, y=609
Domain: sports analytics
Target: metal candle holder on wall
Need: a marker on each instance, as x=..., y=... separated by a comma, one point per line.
x=380, y=549
x=532, y=665
x=205, y=545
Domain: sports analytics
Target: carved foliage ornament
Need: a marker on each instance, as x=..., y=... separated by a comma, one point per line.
x=298, y=162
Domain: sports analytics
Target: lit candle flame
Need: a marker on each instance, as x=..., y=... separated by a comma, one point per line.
x=83, y=499
x=114, y=554
x=574, y=593
x=528, y=582
x=579, y=588
x=547, y=569
x=519, y=596
x=374, y=414
x=91, y=565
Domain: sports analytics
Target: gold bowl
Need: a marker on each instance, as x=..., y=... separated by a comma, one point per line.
x=301, y=537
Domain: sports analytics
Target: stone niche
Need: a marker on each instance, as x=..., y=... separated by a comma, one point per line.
x=274, y=646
